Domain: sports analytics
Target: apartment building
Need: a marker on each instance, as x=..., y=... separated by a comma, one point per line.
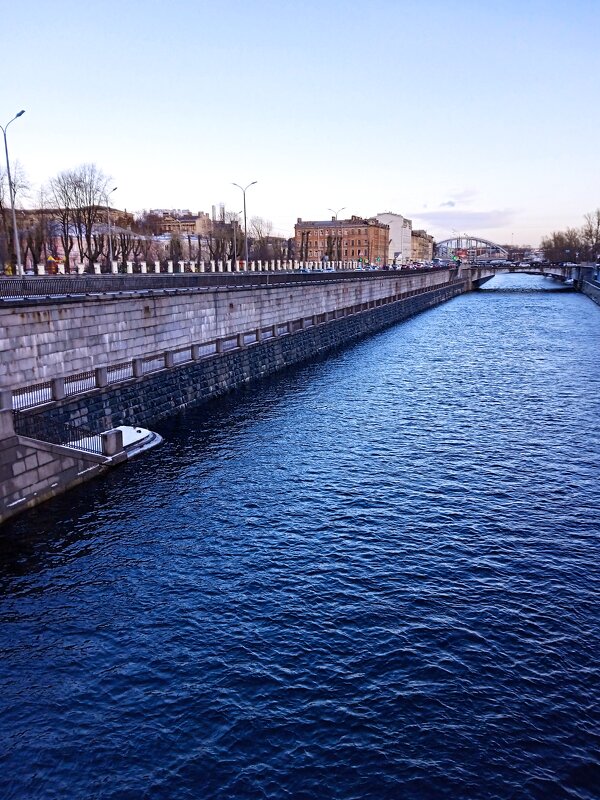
x=400, y=244
x=183, y=222
x=354, y=239
x=422, y=246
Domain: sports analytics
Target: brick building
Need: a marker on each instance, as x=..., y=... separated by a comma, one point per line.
x=422, y=246
x=354, y=239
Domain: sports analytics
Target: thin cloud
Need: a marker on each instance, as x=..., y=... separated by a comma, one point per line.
x=466, y=220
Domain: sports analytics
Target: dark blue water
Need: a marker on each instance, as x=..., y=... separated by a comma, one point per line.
x=376, y=576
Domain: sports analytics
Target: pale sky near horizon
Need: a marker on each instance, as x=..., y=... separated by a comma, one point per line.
x=471, y=116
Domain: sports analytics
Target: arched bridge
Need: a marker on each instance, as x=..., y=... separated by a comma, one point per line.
x=470, y=248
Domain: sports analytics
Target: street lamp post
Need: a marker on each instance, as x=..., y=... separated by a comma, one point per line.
x=11, y=191
x=110, y=248
x=335, y=214
x=243, y=188
x=234, y=224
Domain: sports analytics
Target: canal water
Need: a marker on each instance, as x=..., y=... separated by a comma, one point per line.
x=374, y=576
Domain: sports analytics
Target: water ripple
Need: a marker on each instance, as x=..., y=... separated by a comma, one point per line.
x=372, y=577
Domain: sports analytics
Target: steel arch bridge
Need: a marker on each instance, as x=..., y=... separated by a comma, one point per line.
x=471, y=249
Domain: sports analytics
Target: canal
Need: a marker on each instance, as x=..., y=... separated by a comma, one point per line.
x=374, y=576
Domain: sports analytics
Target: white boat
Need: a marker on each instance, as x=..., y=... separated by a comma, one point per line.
x=135, y=441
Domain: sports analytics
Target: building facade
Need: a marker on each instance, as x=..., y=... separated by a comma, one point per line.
x=400, y=245
x=354, y=239
x=182, y=222
x=422, y=246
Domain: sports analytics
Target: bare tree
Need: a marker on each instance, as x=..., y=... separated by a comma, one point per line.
x=61, y=189
x=575, y=244
x=303, y=254
x=80, y=198
x=235, y=244
x=20, y=187
x=590, y=234
x=218, y=240
x=261, y=231
x=38, y=235
x=563, y=245
x=148, y=222
x=175, y=248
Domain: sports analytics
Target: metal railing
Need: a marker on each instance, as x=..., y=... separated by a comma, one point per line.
x=32, y=396
x=119, y=372
x=182, y=356
x=152, y=363
x=60, y=287
x=82, y=382
x=71, y=435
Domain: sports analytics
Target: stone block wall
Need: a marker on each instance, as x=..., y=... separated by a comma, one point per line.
x=32, y=471
x=592, y=290
x=142, y=401
x=44, y=340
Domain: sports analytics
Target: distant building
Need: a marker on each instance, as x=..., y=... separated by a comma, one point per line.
x=400, y=244
x=422, y=246
x=29, y=218
x=354, y=239
x=182, y=222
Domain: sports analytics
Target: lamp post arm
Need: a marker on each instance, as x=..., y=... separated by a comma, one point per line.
x=243, y=189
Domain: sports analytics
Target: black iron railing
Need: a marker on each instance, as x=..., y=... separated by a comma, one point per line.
x=68, y=435
x=65, y=286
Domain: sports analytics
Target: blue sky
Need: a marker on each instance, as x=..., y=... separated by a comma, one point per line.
x=477, y=117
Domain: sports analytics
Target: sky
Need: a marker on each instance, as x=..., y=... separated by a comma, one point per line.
x=467, y=116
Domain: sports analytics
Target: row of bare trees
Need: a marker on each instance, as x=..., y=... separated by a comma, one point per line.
x=575, y=244
x=67, y=214
x=71, y=218
x=222, y=241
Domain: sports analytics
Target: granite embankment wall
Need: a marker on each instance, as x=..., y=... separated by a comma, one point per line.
x=46, y=339
x=142, y=401
x=592, y=290
x=317, y=320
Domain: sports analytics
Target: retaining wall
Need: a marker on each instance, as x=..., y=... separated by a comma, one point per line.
x=592, y=290
x=49, y=338
x=142, y=401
